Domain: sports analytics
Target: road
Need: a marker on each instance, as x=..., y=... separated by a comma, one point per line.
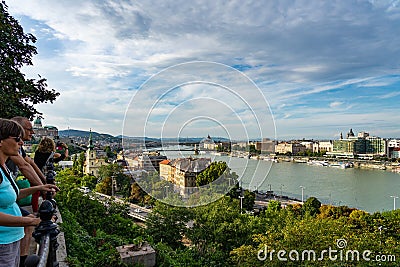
x=135, y=211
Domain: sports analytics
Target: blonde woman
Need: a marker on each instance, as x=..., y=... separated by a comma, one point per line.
x=46, y=149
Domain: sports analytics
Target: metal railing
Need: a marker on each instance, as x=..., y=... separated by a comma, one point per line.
x=45, y=235
x=46, y=232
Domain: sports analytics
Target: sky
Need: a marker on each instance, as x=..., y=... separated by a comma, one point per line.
x=240, y=69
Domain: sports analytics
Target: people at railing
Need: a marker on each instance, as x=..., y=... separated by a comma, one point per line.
x=11, y=220
x=24, y=164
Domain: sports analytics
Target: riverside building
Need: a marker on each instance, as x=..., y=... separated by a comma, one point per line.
x=363, y=146
x=182, y=172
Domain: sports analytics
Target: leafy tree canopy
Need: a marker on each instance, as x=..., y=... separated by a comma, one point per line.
x=311, y=206
x=211, y=173
x=18, y=94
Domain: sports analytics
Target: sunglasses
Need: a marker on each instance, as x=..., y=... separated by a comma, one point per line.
x=17, y=139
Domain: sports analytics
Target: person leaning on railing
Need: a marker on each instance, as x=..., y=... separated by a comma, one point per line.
x=25, y=165
x=11, y=222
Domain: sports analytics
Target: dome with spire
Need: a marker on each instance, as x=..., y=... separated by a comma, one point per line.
x=350, y=133
x=207, y=143
x=37, y=123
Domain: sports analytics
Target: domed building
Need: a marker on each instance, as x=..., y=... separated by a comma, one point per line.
x=207, y=144
x=46, y=131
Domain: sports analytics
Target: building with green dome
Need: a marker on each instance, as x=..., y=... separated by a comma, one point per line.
x=44, y=131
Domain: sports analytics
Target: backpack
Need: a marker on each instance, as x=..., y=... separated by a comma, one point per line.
x=24, y=183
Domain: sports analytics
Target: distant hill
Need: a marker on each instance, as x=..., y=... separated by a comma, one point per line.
x=79, y=133
x=195, y=139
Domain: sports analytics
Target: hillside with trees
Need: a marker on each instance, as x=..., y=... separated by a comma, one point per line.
x=218, y=234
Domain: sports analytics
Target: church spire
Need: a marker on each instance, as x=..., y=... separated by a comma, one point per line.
x=90, y=140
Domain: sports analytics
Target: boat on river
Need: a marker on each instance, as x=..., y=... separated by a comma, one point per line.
x=340, y=165
x=318, y=163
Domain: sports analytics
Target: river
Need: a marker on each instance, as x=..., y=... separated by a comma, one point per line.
x=368, y=190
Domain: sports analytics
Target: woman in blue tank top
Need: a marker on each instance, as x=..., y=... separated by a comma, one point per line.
x=11, y=221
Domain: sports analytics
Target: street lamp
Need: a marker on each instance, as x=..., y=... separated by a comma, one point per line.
x=241, y=204
x=166, y=190
x=112, y=185
x=394, y=201
x=302, y=193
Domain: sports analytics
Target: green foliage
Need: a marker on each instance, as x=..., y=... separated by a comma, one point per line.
x=105, y=186
x=110, y=154
x=220, y=225
x=138, y=195
x=217, y=234
x=167, y=224
x=167, y=257
x=88, y=250
x=329, y=211
x=89, y=181
x=311, y=206
x=274, y=206
x=18, y=95
x=113, y=171
x=248, y=200
x=78, y=163
x=93, y=229
x=211, y=173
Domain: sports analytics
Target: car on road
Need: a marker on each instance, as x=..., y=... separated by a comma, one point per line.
x=137, y=210
x=85, y=189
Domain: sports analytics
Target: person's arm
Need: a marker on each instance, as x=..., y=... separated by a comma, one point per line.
x=36, y=168
x=61, y=156
x=27, y=170
x=24, y=192
x=66, y=151
x=9, y=220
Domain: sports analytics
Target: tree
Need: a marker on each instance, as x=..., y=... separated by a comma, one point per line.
x=113, y=171
x=18, y=94
x=109, y=152
x=211, y=173
x=138, y=195
x=168, y=224
x=78, y=163
x=248, y=200
x=274, y=206
x=311, y=206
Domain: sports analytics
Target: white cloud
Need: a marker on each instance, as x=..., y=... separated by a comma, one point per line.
x=335, y=104
x=296, y=51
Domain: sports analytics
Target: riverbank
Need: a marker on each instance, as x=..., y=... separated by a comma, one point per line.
x=336, y=163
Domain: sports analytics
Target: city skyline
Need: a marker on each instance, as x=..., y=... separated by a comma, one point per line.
x=322, y=67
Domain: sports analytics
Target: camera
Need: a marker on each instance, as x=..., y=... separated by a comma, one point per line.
x=59, y=145
x=49, y=172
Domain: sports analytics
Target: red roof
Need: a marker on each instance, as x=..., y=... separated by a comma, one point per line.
x=165, y=161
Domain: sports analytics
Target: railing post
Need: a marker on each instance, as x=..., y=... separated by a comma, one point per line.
x=45, y=235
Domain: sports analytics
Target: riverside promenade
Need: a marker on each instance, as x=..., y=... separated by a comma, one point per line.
x=262, y=200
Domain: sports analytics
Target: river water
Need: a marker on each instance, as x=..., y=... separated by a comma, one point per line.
x=368, y=190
